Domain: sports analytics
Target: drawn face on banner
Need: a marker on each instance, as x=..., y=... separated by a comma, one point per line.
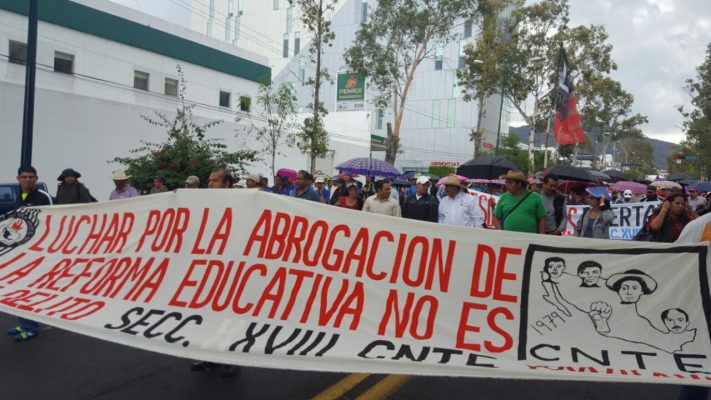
x=590, y=276
x=630, y=290
x=676, y=320
x=555, y=268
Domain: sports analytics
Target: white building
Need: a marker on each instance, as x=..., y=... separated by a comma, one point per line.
x=101, y=66
x=437, y=123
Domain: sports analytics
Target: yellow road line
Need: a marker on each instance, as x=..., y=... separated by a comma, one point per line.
x=384, y=388
x=341, y=387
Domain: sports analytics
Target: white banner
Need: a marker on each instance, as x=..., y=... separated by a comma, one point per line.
x=250, y=278
x=629, y=217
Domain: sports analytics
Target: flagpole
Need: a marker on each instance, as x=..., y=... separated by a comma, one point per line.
x=555, y=103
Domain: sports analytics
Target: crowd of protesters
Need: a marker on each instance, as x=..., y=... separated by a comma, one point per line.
x=524, y=205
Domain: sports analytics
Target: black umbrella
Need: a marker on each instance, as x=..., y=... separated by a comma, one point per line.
x=599, y=176
x=485, y=168
x=679, y=177
x=400, y=182
x=617, y=175
x=571, y=173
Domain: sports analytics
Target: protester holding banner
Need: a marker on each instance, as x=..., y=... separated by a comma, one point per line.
x=671, y=218
x=458, y=207
x=30, y=196
x=382, y=202
x=352, y=200
x=519, y=209
x=421, y=205
x=596, y=220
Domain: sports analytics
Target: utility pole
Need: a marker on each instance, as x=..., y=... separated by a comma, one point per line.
x=30, y=68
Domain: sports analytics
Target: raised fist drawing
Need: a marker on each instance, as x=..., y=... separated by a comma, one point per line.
x=600, y=313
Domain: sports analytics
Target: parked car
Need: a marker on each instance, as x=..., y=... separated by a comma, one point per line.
x=9, y=193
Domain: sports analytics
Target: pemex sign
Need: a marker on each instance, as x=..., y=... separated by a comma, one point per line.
x=350, y=92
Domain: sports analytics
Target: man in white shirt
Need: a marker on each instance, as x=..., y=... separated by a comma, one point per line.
x=457, y=207
x=695, y=201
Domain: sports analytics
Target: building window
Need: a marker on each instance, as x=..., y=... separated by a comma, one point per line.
x=63, y=62
x=171, y=87
x=276, y=4
x=285, y=47
x=297, y=43
x=140, y=80
x=18, y=52
x=230, y=8
x=364, y=11
x=245, y=103
x=302, y=70
x=463, y=46
x=439, y=57
x=379, y=114
x=224, y=99
x=468, y=29
x=228, y=29
x=289, y=19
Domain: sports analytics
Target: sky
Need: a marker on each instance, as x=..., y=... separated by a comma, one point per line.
x=657, y=44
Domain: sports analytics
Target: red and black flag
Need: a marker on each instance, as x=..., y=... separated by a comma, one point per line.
x=567, y=127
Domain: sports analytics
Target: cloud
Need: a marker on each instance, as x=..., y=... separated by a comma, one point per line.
x=656, y=52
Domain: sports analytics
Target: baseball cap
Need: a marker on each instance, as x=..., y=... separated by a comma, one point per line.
x=627, y=193
x=254, y=177
x=192, y=179
x=318, y=179
x=423, y=180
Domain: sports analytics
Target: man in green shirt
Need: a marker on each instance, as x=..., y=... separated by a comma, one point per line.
x=519, y=209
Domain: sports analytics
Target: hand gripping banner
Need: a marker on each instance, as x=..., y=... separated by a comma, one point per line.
x=250, y=278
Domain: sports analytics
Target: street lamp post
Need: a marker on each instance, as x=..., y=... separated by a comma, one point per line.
x=30, y=68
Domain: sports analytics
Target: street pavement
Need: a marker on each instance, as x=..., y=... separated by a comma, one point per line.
x=61, y=365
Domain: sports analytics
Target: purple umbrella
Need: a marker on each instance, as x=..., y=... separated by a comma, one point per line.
x=369, y=167
x=636, y=188
x=289, y=173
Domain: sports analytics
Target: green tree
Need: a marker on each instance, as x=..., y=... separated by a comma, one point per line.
x=678, y=164
x=606, y=108
x=389, y=48
x=440, y=170
x=511, y=150
x=187, y=151
x=638, y=151
x=485, y=61
x=534, y=35
x=697, y=118
x=316, y=17
x=276, y=126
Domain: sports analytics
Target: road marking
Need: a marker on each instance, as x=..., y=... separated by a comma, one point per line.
x=341, y=387
x=384, y=388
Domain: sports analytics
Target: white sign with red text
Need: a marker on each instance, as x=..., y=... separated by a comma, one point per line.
x=262, y=280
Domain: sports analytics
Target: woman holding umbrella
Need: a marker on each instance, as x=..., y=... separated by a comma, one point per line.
x=595, y=221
